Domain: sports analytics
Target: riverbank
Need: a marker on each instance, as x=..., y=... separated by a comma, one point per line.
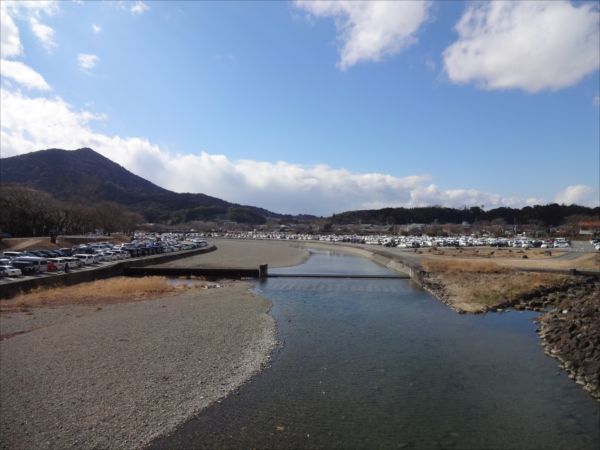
x=246, y=254
x=116, y=368
x=120, y=375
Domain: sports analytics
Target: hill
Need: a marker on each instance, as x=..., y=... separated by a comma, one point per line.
x=544, y=215
x=86, y=176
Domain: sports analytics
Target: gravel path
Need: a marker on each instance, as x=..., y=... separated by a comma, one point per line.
x=122, y=375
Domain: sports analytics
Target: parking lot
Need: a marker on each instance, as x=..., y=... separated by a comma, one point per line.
x=32, y=264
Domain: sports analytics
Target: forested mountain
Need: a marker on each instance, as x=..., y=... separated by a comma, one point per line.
x=85, y=176
x=545, y=215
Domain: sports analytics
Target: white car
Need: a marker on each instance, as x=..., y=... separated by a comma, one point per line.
x=11, y=271
x=73, y=262
x=85, y=258
x=110, y=256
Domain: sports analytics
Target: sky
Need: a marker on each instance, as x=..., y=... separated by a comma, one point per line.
x=316, y=107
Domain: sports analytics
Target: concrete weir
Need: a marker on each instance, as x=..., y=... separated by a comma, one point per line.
x=234, y=273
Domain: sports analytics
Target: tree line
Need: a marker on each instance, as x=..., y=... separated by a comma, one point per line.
x=26, y=211
x=544, y=215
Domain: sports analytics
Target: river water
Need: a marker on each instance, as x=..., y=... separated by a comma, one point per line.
x=381, y=363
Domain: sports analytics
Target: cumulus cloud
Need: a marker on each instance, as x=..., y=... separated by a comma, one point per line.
x=96, y=28
x=529, y=45
x=31, y=11
x=370, y=30
x=44, y=33
x=577, y=194
x=139, y=7
x=23, y=74
x=10, y=43
x=34, y=123
x=87, y=62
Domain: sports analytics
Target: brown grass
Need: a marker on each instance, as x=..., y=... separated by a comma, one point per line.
x=456, y=266
x=495, y=253
x=584, y=261
x=476, y=286
x=495, y=289
x=112, y=290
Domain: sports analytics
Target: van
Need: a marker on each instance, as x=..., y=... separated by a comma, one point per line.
x=40, y=263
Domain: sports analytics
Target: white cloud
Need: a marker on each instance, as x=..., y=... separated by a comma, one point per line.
x=44, y=33
x=30, y=8
x=577, y=194
x=370, y=30
x=34, y=123
x=87, y=62
x=139, y=7
x=529, y=45
x=32, y=11
x=96, y=28
x=23, y=74
x=9, y=38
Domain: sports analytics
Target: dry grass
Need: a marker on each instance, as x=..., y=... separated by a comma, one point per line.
x=475, y=286
x=448, y=266
x=112, y=290
x=495, y=253
x=583, y=261
x=494, y=289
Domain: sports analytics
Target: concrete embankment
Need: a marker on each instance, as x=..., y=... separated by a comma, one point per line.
x=403, y=263
x=8, y=290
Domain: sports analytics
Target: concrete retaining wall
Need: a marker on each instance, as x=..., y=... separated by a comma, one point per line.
x=191, y=271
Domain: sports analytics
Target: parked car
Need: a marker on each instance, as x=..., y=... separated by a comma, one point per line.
x=11, y=254
x=85, y=258
x=74, y=263
x=57, y=263
x=40, y=263
x=11, y=271
x=26, y=267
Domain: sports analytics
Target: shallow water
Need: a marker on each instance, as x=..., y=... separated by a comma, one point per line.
x=381, y=363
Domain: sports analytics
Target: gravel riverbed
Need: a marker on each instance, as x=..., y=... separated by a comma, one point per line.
x=120, y=375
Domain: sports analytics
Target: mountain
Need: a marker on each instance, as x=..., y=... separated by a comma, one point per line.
x=86, y=176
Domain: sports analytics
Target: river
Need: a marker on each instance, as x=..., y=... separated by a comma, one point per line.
x=381, y=363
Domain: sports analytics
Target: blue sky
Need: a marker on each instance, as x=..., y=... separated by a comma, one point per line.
x=316, y=107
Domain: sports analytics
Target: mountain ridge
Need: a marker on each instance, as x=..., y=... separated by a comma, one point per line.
x=85, y=175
